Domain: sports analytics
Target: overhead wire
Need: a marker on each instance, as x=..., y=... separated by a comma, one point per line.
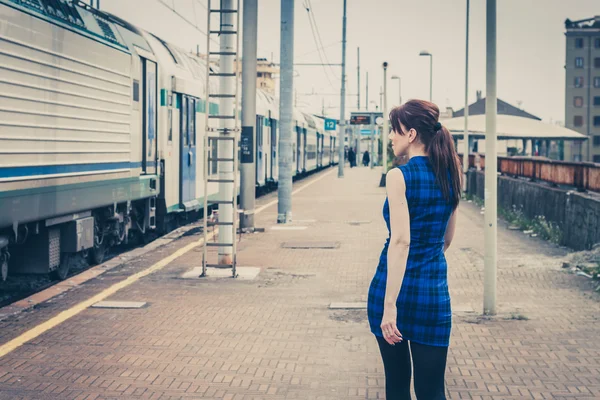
x=312, y=28
x=311, y=13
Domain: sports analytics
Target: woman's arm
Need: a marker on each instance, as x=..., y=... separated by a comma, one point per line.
x=397, y=251
x=450, y=230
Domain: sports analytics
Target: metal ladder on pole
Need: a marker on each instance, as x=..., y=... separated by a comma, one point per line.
x=227, y=132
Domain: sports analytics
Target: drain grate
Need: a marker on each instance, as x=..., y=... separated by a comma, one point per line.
x=310, y=245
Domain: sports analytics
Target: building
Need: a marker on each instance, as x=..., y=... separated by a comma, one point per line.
x=266, y=76
x=503, y=108
x=519, y=132
x=582, y=92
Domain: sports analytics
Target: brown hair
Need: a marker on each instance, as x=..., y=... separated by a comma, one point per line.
x=422, y=116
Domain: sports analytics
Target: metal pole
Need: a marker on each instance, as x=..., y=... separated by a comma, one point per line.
x=98, y=4
x=384, y=131
x=400, y=90
x=286, y=93
x=466, y=132
x=342, y=125
x=358, y=78
x=225, y=148
x=491, y=178
x=372, y=135
x=367, y=93
x=247, y=166
x=430, y=77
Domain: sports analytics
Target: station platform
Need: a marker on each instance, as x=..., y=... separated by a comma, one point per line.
x=293, y=325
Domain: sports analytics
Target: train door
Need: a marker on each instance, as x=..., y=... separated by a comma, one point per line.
x=273, y=149
x=259, y=148
x=267, y=147
x=187, y=150
x=319, y=155
x=298, y=149
x=149, y=140
x=304, y=149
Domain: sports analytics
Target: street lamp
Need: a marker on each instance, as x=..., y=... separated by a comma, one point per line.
x=399, y=87
x=384, y=131
x=428, y=54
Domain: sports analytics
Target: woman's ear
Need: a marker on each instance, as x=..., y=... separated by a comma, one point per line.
x=412, y=135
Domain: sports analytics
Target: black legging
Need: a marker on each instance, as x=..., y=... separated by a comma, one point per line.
x=429, y=363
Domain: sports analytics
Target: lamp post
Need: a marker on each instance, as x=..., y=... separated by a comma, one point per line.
x=384, y=131
x=428, y=54
x=399, y=88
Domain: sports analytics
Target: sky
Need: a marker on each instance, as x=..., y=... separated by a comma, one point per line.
x=530, y=47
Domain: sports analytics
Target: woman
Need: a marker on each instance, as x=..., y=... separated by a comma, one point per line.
x=408, y=297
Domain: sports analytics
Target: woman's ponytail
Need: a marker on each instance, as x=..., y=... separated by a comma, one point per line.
x=446, y=164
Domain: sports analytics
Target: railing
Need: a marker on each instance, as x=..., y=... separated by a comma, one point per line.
x=581, y=175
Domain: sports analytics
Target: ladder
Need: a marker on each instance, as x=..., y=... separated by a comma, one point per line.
x=221, y=143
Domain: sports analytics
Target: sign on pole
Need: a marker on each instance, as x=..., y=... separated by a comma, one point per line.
x=330, y=124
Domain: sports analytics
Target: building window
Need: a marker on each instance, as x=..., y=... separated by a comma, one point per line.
x=578, y=120
x=578, y=62
x=597, y=100
x=597, y=120
x=597, y=62
x=597, y=81
x=579, y=43
x=597, y=159
x=578, y=101
x=578, y=81
x=597, y=43
x=596, y=141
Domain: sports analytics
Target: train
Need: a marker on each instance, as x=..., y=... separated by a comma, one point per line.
x=101, y=135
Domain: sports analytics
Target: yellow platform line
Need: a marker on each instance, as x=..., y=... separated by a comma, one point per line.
x=76, y=309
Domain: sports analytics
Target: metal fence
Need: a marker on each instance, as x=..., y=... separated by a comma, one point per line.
x=581, y=175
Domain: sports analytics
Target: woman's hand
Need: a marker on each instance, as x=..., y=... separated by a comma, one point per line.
x=391, y=334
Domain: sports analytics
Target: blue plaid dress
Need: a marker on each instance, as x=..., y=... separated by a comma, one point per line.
x=424, y=313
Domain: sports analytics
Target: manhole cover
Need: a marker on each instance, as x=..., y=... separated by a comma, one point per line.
x=119, y=304
x=310, y=245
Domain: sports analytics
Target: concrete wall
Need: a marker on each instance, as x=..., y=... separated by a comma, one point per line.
x=577, y=214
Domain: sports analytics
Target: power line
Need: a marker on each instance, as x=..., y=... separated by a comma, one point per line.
x=319, y=35
x=312, y=29
x=195, y=26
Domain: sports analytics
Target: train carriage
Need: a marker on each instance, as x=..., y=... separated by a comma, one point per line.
x=101, y=134
x=78, y=148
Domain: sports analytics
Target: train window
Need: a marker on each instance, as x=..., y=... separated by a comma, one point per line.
x=192, y=122
x=184, y=120
x=136, y=90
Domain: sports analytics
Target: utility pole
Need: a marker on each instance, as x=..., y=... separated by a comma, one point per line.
x=247, y=162
x=358, y=78
x=225, y=148
x=342, y=125
x=384, y=132
x=372, y=136
x=367, y=93
x=466, y=132
x=491, y=159
x=286, y=94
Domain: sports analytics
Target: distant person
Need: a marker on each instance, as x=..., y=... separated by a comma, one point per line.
x=409, y=302
x=352, y=157
x=366, y=158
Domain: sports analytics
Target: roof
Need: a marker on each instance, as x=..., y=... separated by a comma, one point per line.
x=511, y=127
x=503, y=108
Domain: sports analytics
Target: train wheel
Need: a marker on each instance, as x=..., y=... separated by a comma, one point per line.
x=3, y=270
x=97, y=254
x=62, y=271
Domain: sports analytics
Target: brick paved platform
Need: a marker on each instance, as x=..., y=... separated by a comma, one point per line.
x=275, y=337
